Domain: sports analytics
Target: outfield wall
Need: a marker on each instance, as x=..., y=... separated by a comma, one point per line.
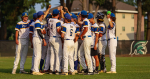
x=126, y=47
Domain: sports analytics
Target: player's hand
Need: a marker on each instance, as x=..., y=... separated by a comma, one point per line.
x=95, y=47
x=31, y=45
x=49, y=6
x=17, y=42
x=108, y=16
x=81, y=37
x=59, y=8
x=66, y=8
x=44, y=42
x=44, y=32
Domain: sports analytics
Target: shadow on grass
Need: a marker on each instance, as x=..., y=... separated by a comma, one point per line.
x=9, y=71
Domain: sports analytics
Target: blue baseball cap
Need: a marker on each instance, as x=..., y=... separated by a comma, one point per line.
x=112, y=15
x=67, y=16
x=55, y=11
x=78, y=13
x=83, y=12
x=48, y=15
x=40, y=13
x=74, y=16
x=35, y=15
x=90, y=15
x=24, y=14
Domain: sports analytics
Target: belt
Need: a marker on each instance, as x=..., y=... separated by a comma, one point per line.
x=111, y=38
x=56, y=37
x=87, y=36
x=68, y=39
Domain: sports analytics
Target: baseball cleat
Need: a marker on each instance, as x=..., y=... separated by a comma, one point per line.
x=56, y=72
x=89, y=73
x=64, y=73
x=37, y=73
x=96, y=72
x=112, y=72
x=14, y=71
x=50, y=72
x=30, y=71
x=23, y=72
x=71, y=73
x=75, y=71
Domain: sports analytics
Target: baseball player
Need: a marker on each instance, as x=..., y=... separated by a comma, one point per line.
x=45, y=48
x=102, y=41
x=112, y=42
x=85, y=48
x=31, y=37
x=68, y=35
x=76, y=43
x=22, y=39
x=55, y=43
x=95, y=36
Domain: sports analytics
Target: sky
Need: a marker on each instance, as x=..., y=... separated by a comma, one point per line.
x=54, y=3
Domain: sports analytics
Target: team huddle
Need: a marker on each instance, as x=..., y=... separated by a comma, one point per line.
x=65, y=39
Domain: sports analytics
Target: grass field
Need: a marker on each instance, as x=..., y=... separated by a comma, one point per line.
x=127, y=68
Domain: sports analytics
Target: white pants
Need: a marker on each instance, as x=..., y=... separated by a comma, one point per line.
x=56, y=56
x=47, y=61
x=21, y=51
x=94, y=63
x=37, y=48
x=75, y=50
x=68, y=51
x=85, y=50
x=44, y=50
x=112, y=44
x=102, y=46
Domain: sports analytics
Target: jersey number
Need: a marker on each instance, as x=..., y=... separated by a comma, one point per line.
x=71, y=30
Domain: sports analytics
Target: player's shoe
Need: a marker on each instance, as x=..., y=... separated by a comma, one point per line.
x=30, y=71
x=45, y=71
x=37, y=73
x=112, y=72
x=14, y=71
x=103, y=71
x=50, y=72
x=89, y=73
x=56, y=72
x=96, y=72
x=75, y=71
x=23, y=72
x=71, y=73
x=64, y=73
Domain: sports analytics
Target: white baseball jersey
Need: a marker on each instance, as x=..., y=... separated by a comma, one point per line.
x=102, y=28
x=111, y=31
x=77, y=27
x=86, y=23
x=23, y=28
x=47, y=31
x=38, y=25
x=94, y=29
x=69, y=30
x=54, y=24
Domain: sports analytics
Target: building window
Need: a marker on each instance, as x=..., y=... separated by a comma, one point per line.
x=132, y=28
x=123, y=28
x=123, y=16
x=132, y=16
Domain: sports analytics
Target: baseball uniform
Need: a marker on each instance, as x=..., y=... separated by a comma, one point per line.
x=85, y=48
x=55, y=45
x=68, y=48
x=22, y=47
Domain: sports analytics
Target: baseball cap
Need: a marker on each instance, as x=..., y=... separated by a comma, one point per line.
x=48, y=16
x=55, y=11
x=73, y=16
x=108, y=12
x=112, y=15
x=83, y=12
x=35, y=15
x=90, y=15
x=67, y=16
x=40, y=13
x=78, y=13
x=24, y=14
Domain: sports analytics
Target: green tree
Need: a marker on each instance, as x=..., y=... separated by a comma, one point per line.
x=11, y=9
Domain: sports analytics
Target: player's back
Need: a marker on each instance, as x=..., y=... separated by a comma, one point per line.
x=70, y=31
x=53, y=24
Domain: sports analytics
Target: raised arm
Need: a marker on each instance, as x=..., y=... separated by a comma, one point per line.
x=47, y=11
